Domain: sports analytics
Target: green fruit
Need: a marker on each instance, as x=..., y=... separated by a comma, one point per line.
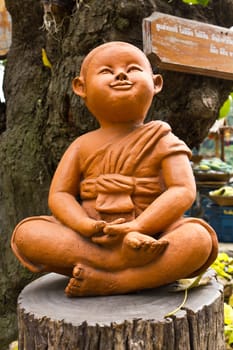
x=204, y=167
x=225, y=191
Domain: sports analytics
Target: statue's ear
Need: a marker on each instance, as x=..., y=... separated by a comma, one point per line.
x=158, y=83
x=79, y=87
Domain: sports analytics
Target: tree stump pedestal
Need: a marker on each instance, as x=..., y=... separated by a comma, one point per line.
x=48, y=320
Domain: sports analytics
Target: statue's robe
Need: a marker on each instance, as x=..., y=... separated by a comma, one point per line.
x=121, y=179
x=126, y=176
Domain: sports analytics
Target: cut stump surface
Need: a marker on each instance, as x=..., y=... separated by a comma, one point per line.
x=48, y=320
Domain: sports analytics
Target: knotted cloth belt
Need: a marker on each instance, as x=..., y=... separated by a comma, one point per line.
x=113, y=191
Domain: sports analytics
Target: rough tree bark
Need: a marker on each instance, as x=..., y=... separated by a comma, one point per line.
x=43, y=116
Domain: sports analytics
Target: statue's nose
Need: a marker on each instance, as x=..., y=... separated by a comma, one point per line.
x=121, y=76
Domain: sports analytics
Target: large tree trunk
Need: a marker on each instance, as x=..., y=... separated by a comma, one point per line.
x=43, y=116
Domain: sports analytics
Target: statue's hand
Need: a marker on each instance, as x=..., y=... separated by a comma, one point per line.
x=111, y=238
x=90, y=227
x=121, y=228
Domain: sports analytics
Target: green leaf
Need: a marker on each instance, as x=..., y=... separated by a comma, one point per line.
x=223, y=266
x=230, y=337
x=196, y=2
x=228, y=314
x=14, y=345
x=180, y=306
x=228, y=331
x=225, y=109
x=230, y=301
x=223, y=257
x=190, y=2
x=189, y=283
x=220, y=270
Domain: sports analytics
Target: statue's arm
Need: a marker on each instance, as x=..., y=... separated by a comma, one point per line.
x=178, y=197
x=170, y=205
x=63, y=194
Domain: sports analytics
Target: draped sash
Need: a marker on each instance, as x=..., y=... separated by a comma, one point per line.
x=118, y=173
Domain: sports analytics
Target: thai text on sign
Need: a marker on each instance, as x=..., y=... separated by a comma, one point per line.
x=188, y=46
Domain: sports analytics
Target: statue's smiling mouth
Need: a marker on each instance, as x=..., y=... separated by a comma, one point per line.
x=121, y=85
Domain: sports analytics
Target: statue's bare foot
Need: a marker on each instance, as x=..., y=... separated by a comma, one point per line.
x=88, y=281
x=138, y=247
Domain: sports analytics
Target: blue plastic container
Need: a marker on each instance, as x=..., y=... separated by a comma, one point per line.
x=221, y=219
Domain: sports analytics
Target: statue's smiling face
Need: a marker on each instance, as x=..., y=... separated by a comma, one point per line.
x=118, y=82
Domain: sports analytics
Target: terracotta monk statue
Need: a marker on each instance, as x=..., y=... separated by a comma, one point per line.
x=120, y=192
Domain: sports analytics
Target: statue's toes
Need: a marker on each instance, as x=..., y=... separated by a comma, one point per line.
x=73, y=288
x=78, y=272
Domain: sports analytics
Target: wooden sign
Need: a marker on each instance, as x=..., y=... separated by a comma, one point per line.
x=5, y=30
x=184, y=45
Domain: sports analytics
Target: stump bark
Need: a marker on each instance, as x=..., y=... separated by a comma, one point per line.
x=48, y=320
